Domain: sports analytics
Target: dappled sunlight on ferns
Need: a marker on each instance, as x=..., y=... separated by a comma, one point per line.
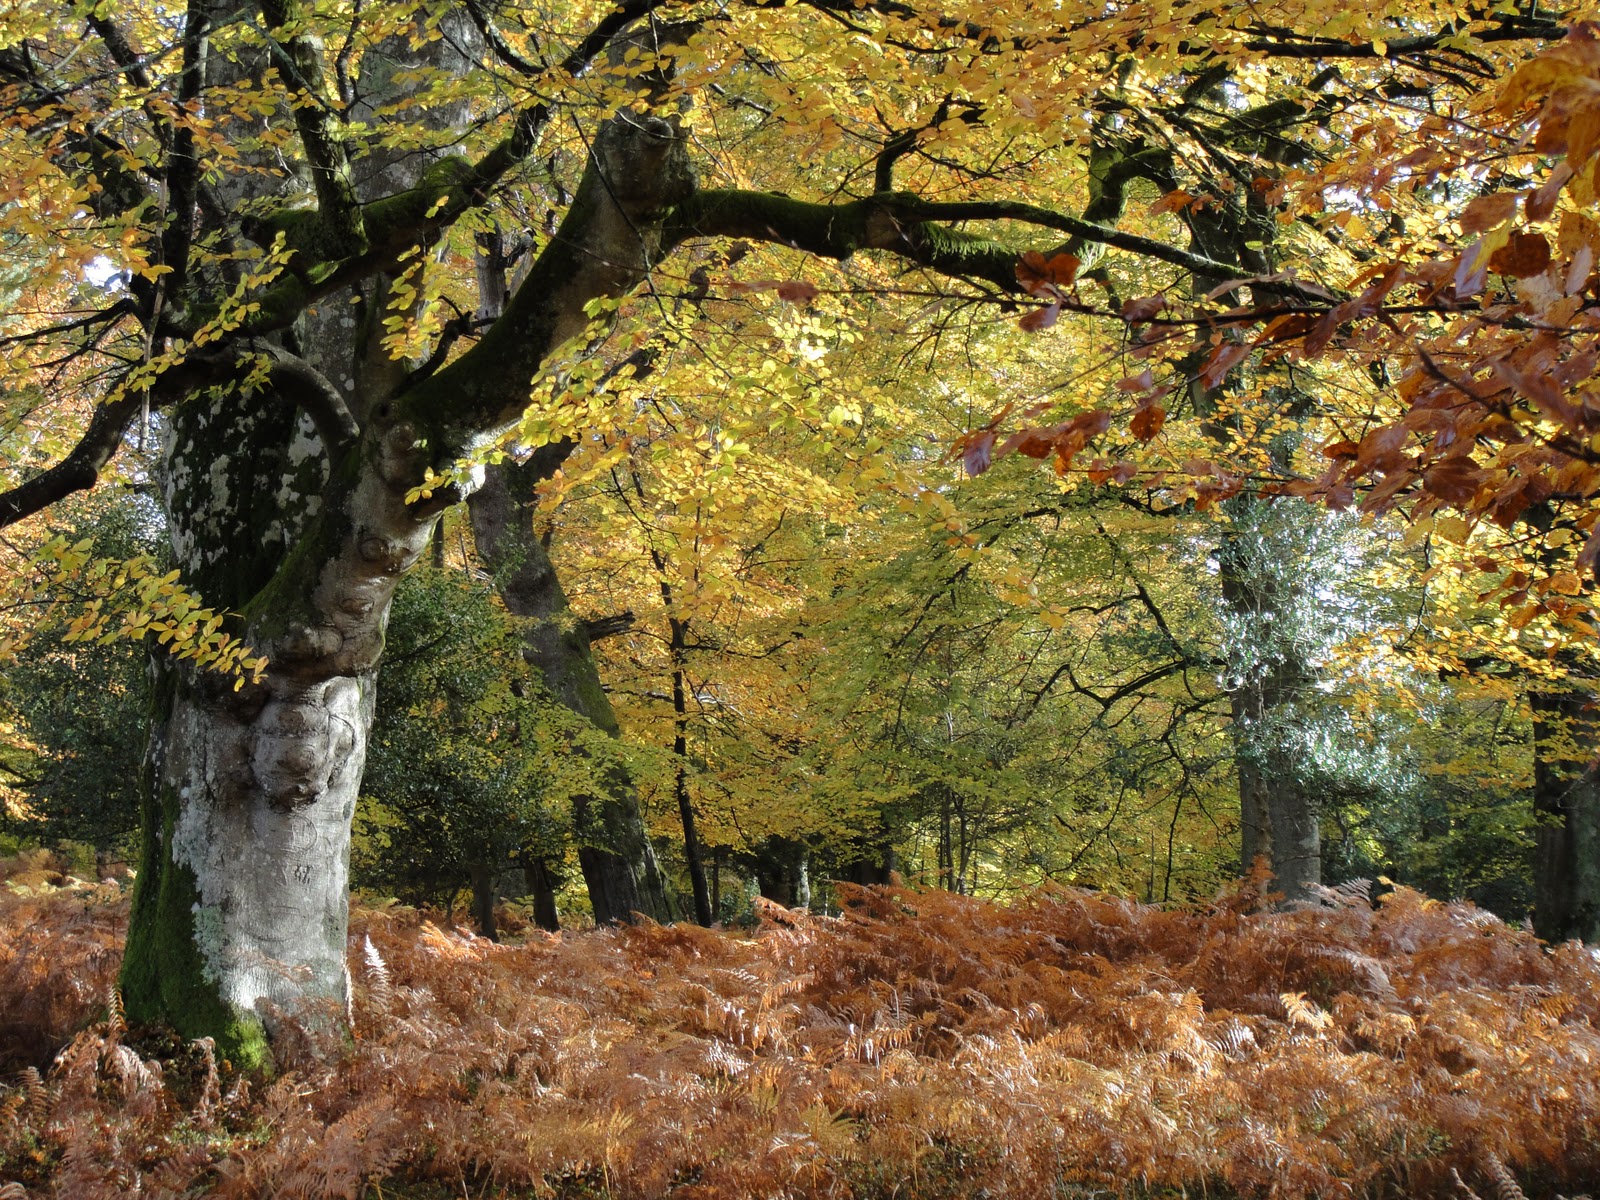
x=922, y=1044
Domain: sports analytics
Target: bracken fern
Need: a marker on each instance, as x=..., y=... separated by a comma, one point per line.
x=919, y=1045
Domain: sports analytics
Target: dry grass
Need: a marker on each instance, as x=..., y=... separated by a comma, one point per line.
x=922, y=1045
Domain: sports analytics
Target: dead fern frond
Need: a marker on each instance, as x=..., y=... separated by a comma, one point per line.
x=380, y=989
x=116, y=1022
x=210, y=1085
x=1505, y=1183
x=38, y=1096
x=1304, y=1012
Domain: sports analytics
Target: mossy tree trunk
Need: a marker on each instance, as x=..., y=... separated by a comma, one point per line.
x=289, y=506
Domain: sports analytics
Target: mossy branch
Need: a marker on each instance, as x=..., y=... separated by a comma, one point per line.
x=909, y=226
x=338, y=208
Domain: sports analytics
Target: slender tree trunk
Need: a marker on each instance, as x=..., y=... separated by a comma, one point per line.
x=717, y=855
x=1567, y=800
x=963, y=847
x=946, y=857
x=703, y=911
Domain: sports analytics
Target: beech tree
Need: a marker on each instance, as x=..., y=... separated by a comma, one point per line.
x=291, y=193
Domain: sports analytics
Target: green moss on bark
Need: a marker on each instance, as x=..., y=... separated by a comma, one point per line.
x=165, y=980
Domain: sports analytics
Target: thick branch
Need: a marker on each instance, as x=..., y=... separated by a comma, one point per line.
x=611, y=236
x=300, y=383
x=337, y=205
x=531, y=121
x=311, y=390
x=79, y=470
x=913, y=228
x=121, y=50
x=183, y=166
x=596, y=628
x=396, y=223
x=1284, y=43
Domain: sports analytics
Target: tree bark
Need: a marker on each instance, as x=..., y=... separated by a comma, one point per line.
x=703, y=911
x=1278, y=819
x=1566, y=798
x=717, y=855
x=783, y=872
x=875, y=867
x=240, y=903
x=240, y=914
x=483, y=897
x=614, y=850
x=542, y=883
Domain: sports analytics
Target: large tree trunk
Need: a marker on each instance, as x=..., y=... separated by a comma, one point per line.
x=614, y=850
x=1278, y=818
x=1255, y=819
x=241, y=907
x=1566, y=797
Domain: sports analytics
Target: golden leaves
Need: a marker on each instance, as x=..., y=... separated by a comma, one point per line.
x=127, y=600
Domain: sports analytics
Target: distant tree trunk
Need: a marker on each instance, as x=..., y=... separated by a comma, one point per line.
x=614, y=851
x=717, y=855
x=542, y=884
x=1255, y=820
x=783, y=872
x=963, y=846
x=1566, y=798
x=875, y=867
x=483, y=897
x=1278, y=819
x=947, y=879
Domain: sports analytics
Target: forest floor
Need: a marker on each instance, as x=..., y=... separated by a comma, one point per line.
x=922, y=1045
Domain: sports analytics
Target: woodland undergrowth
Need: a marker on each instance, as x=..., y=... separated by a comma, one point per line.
x=920, y=1045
